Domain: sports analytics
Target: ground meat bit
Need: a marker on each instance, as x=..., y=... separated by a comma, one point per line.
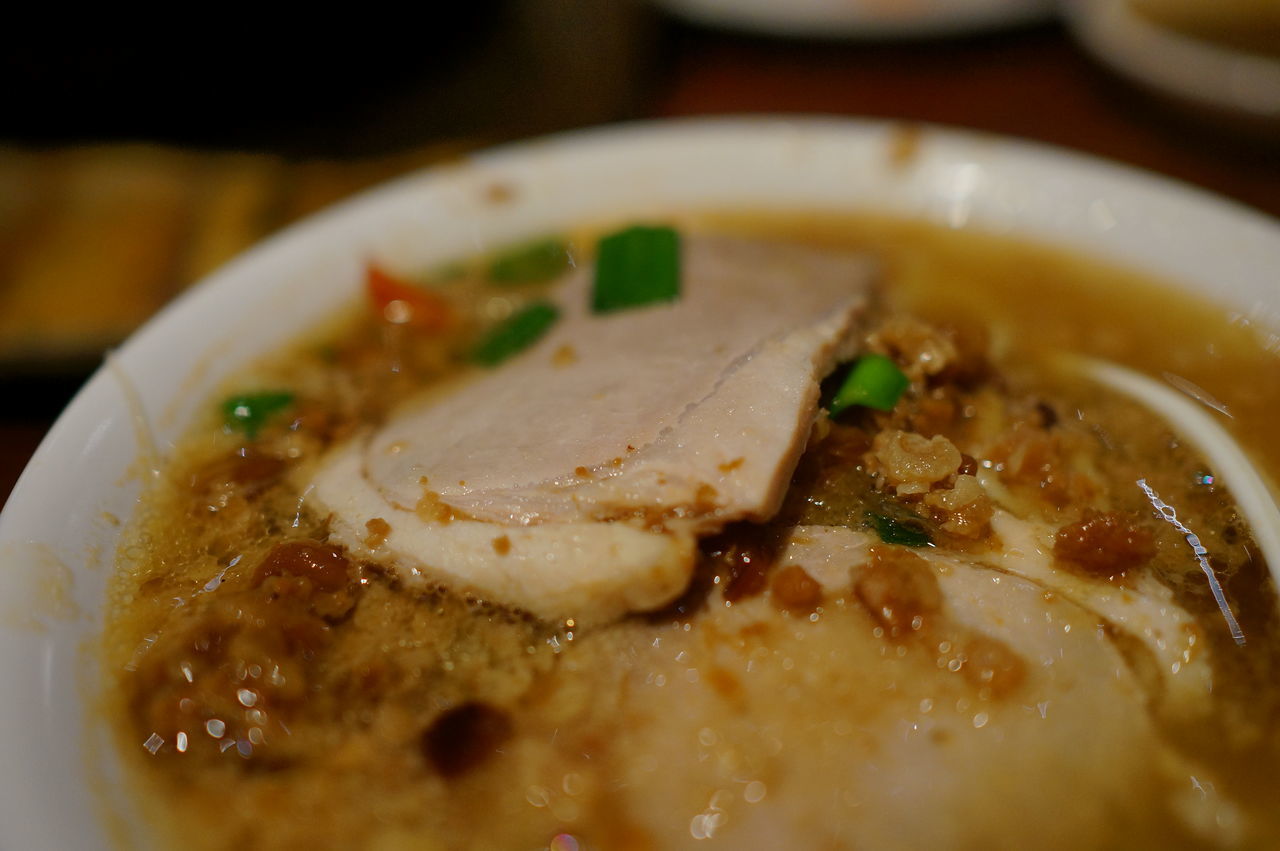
x=795, y=590
x=1034, y=459
x=378, y=530
x=993, y=665
x=228, y=485
x=920, y=349
x=963, y=509
x=725, y=683
x=227, y=675
x=326, y=567
x=1046, y=415
x=432, y=509
x=742, y=555
x=910, y=463
x=899, y=589
x=730, y=466
x=1105, y=543
x=747, y=573
x=247, y=468
x=464, y=737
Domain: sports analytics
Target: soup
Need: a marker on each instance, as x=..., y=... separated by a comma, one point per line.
x=962, y=622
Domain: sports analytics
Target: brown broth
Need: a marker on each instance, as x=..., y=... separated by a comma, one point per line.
x=357, y=769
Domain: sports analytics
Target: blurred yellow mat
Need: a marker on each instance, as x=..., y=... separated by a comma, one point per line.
x=93, y=240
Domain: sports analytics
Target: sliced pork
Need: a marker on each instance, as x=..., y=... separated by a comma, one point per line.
x=573, y=481
x=1174, y=650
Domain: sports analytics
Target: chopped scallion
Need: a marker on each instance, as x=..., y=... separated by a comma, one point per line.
x=530, y=263
x=894, y=530
x=874, y=381
x=249, y=412
x=517, y=333
x=635, y=267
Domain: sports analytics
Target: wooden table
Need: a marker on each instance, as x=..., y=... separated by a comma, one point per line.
x=1033, y=83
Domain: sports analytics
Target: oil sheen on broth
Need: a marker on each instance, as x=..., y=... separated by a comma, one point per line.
x=886, y=663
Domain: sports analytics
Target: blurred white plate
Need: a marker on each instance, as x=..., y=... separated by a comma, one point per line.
x=59, y=787
x=861, y=18
x=1200, y=73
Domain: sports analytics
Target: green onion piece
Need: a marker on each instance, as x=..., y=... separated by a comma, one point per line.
x=898, y=531
x=249, y=412
x=515, y=334
x=636, y=266
x=874, y=381
x=530, y=263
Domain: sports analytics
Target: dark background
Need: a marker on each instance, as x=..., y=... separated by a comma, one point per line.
x=495, y=70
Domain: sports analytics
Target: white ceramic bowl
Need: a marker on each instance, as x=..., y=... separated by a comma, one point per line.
x=862, y=19
x=58, y=780
x=1213, y=78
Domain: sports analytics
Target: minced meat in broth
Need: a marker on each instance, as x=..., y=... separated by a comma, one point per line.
x=273, y=690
